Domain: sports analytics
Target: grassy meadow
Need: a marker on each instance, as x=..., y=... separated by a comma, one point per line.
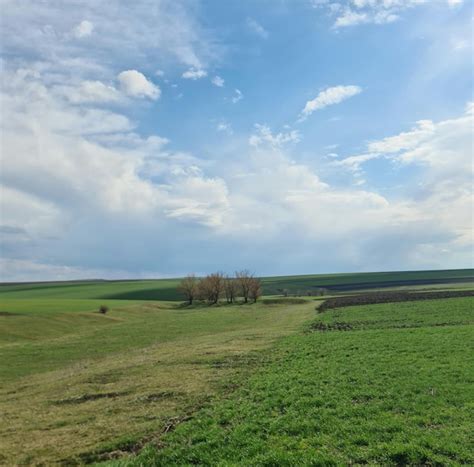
x=76, y=383
x=153, y=382
x=395, y=388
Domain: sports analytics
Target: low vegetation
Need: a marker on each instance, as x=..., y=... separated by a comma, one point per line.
x=78, y=385
x=267, y=383
x=378, y=394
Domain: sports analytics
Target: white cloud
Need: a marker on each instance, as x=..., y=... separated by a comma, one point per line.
x=264, y=136
x=460, y=44
x=72, y=165
x=217, y=81
x=225, y=127
x=237, y=96
x=257, y=28
x=83, y=29
x=89, y=91
x=66, y=169
x=350, y=18
x=61, y=158
x=453, y=3
x=330, y=96
x=354, y=12
x=135, y=84
x=354, y=163
x=406, y=140
x=443, y=151
x=194, y=74
x=159, y=73
x=167, y=31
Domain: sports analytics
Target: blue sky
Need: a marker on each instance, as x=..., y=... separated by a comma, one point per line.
x=158, y=138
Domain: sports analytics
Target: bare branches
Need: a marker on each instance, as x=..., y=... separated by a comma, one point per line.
x=212, y=287
x=189, y=287
x=230, y=289
x=244, y=279
x=255, y=290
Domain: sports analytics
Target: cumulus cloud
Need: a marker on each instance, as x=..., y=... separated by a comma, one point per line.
x=74, y=162
x=443, y=151
x=89, y=91
x=83, y=29
x=135, y=84
x=90, y=161
x=64, y=175
x=217, y=81
x=194, y=74
x=330, y=96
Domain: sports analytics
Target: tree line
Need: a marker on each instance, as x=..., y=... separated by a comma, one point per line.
x=217, y=285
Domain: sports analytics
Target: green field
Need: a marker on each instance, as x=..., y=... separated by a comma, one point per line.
x=272, y=383
x=75, y=382
x=165, y=289
x=397, y=388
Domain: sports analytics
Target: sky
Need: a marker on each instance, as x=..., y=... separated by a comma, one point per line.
x=158, y=138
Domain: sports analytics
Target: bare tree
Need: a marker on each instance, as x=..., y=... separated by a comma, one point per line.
x=244, y=280
x=211, y=287
x=255, y=290
x=203, y=291
x=189, y=287
x=230, y=289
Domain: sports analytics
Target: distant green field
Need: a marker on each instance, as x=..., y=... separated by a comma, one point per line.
x=395, y=388
x=370, y=280
x=161, y=289
x=166, y=289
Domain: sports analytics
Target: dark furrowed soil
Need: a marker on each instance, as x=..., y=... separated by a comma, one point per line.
x=389, y=297
x=394, y=283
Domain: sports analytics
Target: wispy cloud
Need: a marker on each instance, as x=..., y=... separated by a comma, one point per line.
x=264, y=136
x=225, y=127
x=257, y=28
x=237, y=96
x=355, y=12
x=330, y=96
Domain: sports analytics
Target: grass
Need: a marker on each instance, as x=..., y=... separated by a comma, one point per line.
x=246, y=384
x=76, y=384
x=397, y=388
x=165, y=289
